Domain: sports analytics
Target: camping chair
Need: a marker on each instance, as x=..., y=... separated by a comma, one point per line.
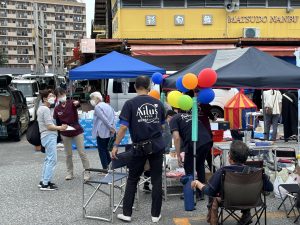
x=297, y=200
x=285, y=155
x=112, y=178
x=256, y=164
x=233, y=198
x=292, y=191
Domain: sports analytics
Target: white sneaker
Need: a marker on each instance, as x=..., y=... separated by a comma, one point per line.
x=156, y=219
x=124, y=218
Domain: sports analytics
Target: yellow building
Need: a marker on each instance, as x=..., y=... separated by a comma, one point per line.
x=152, y=28
x=132, y=20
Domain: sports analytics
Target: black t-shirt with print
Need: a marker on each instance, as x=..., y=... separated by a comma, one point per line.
x=145, y=116
x=182, y=122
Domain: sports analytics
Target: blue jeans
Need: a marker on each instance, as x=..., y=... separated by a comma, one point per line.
x=271, y=120
x=103, y=151
x=49, y=142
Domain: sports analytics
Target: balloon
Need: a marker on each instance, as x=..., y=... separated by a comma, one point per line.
x=180, y=86
x=154, y=94
x=206, y=95
x=190, y=81
x=207, y=78
x=173, y=98
x=157, y=78
x=185, y=102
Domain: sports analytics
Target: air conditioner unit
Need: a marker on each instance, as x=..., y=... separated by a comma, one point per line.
x=232, y=5
x=251, y=32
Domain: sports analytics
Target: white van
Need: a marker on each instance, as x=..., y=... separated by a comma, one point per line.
x=30, y=90
x=118, y=98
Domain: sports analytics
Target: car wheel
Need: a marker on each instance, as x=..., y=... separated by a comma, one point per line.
x=217, y=112
x=19, y=134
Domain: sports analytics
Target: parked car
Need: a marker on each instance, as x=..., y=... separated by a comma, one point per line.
x=14, y=114
x=118, y=98
x=30, y=90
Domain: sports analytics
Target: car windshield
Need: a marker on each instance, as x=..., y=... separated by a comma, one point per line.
x=26, y=89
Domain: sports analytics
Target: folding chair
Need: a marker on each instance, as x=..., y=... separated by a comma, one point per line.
x=256, y=164
x=233, y=198
x=113, y=179
x=284, y=156
x=292, y=193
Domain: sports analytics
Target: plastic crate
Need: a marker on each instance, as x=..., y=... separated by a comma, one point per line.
x=218, y=135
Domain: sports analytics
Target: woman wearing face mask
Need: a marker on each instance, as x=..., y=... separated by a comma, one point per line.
x=66, y=113
x=48, y=132
x=103, y=126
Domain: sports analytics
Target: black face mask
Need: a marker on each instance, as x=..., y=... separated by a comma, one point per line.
x=52, y=106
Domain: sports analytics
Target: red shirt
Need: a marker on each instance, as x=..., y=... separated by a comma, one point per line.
x=68, y=115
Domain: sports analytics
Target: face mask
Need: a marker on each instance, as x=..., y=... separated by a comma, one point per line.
x=63, y=99
x=51, y=100
x=93, y=103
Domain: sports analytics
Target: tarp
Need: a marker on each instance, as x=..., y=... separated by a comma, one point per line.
x=244, y=68
x=113, y=65
x=235, y=111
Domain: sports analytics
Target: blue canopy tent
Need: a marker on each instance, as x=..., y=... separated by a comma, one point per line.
x=113, y=65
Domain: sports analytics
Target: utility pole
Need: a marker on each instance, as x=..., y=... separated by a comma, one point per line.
x=54, y=50
x=61, y=57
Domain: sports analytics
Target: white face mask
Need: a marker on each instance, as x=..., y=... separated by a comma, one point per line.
x=63, y=99
x=51, y=100
x=93, y=102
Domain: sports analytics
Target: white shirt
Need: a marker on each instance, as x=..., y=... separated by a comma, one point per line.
x=273, y=100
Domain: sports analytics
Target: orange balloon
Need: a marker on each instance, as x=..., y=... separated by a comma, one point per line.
x=154, y=94
x=190, y=81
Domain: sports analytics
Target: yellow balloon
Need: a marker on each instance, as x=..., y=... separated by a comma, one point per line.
x=173, y=98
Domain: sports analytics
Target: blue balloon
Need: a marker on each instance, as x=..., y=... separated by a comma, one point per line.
x=157, y=78
x=180, y=86
x=206, y=96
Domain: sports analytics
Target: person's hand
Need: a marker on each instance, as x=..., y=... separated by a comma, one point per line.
x=194, y=184
x=179, y=159
x=112, y=131
x=76, y=103
x=63, y=127
x=114, y=152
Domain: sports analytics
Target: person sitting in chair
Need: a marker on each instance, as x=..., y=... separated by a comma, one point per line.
x=238, y=155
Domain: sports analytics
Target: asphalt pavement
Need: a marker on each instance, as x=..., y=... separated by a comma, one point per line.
x=22, y=203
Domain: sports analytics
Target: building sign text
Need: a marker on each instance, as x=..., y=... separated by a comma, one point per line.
x=262, y=19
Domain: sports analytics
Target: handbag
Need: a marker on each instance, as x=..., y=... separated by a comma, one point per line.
x=33, y=134
x=111, y=143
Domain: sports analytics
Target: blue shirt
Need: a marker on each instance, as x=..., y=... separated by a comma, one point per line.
x=104, y=120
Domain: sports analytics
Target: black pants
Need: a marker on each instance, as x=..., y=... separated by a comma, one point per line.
x=201, y=153
x=136, y=168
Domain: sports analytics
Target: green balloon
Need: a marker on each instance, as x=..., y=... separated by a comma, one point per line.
x=185, y=102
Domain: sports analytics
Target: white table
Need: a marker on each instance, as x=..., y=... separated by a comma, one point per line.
x=225, y=147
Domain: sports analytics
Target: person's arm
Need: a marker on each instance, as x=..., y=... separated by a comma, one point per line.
x=268, y=186
x=177, y=141
x=99, y=112
x=205, y=189
x=120, y=135
x=76, y=104
x=49, y=122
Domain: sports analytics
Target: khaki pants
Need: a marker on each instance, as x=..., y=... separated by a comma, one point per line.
x=80, y=148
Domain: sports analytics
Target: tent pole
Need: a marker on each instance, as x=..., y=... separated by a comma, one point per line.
x=194, y=135
x=263, y=107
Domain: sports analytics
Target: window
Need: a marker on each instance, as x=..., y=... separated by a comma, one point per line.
x=211, y=3
x=295, y=2
x=174, y=3
x=254, y=3
x=117, y=87
x=195, y=3
x=277, y=3
x=151, y=3
x=131, y=3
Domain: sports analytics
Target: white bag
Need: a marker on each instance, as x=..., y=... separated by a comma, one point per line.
x=292, y=179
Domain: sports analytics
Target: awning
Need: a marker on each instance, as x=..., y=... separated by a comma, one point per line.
x=202, y=49
x=278, y=50
x=168, y=50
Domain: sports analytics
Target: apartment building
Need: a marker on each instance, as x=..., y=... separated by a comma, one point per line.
x=17, y=29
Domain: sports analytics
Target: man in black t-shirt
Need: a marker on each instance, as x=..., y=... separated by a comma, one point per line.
x=144, y=116
x=181, y=128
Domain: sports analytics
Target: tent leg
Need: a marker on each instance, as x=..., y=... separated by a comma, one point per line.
x=194, y=161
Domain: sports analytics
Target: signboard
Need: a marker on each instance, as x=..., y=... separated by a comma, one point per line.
x=87, y=46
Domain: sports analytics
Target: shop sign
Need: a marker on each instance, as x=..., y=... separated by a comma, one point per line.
x=150, y=20
x=179, y=20
x=263, y=19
